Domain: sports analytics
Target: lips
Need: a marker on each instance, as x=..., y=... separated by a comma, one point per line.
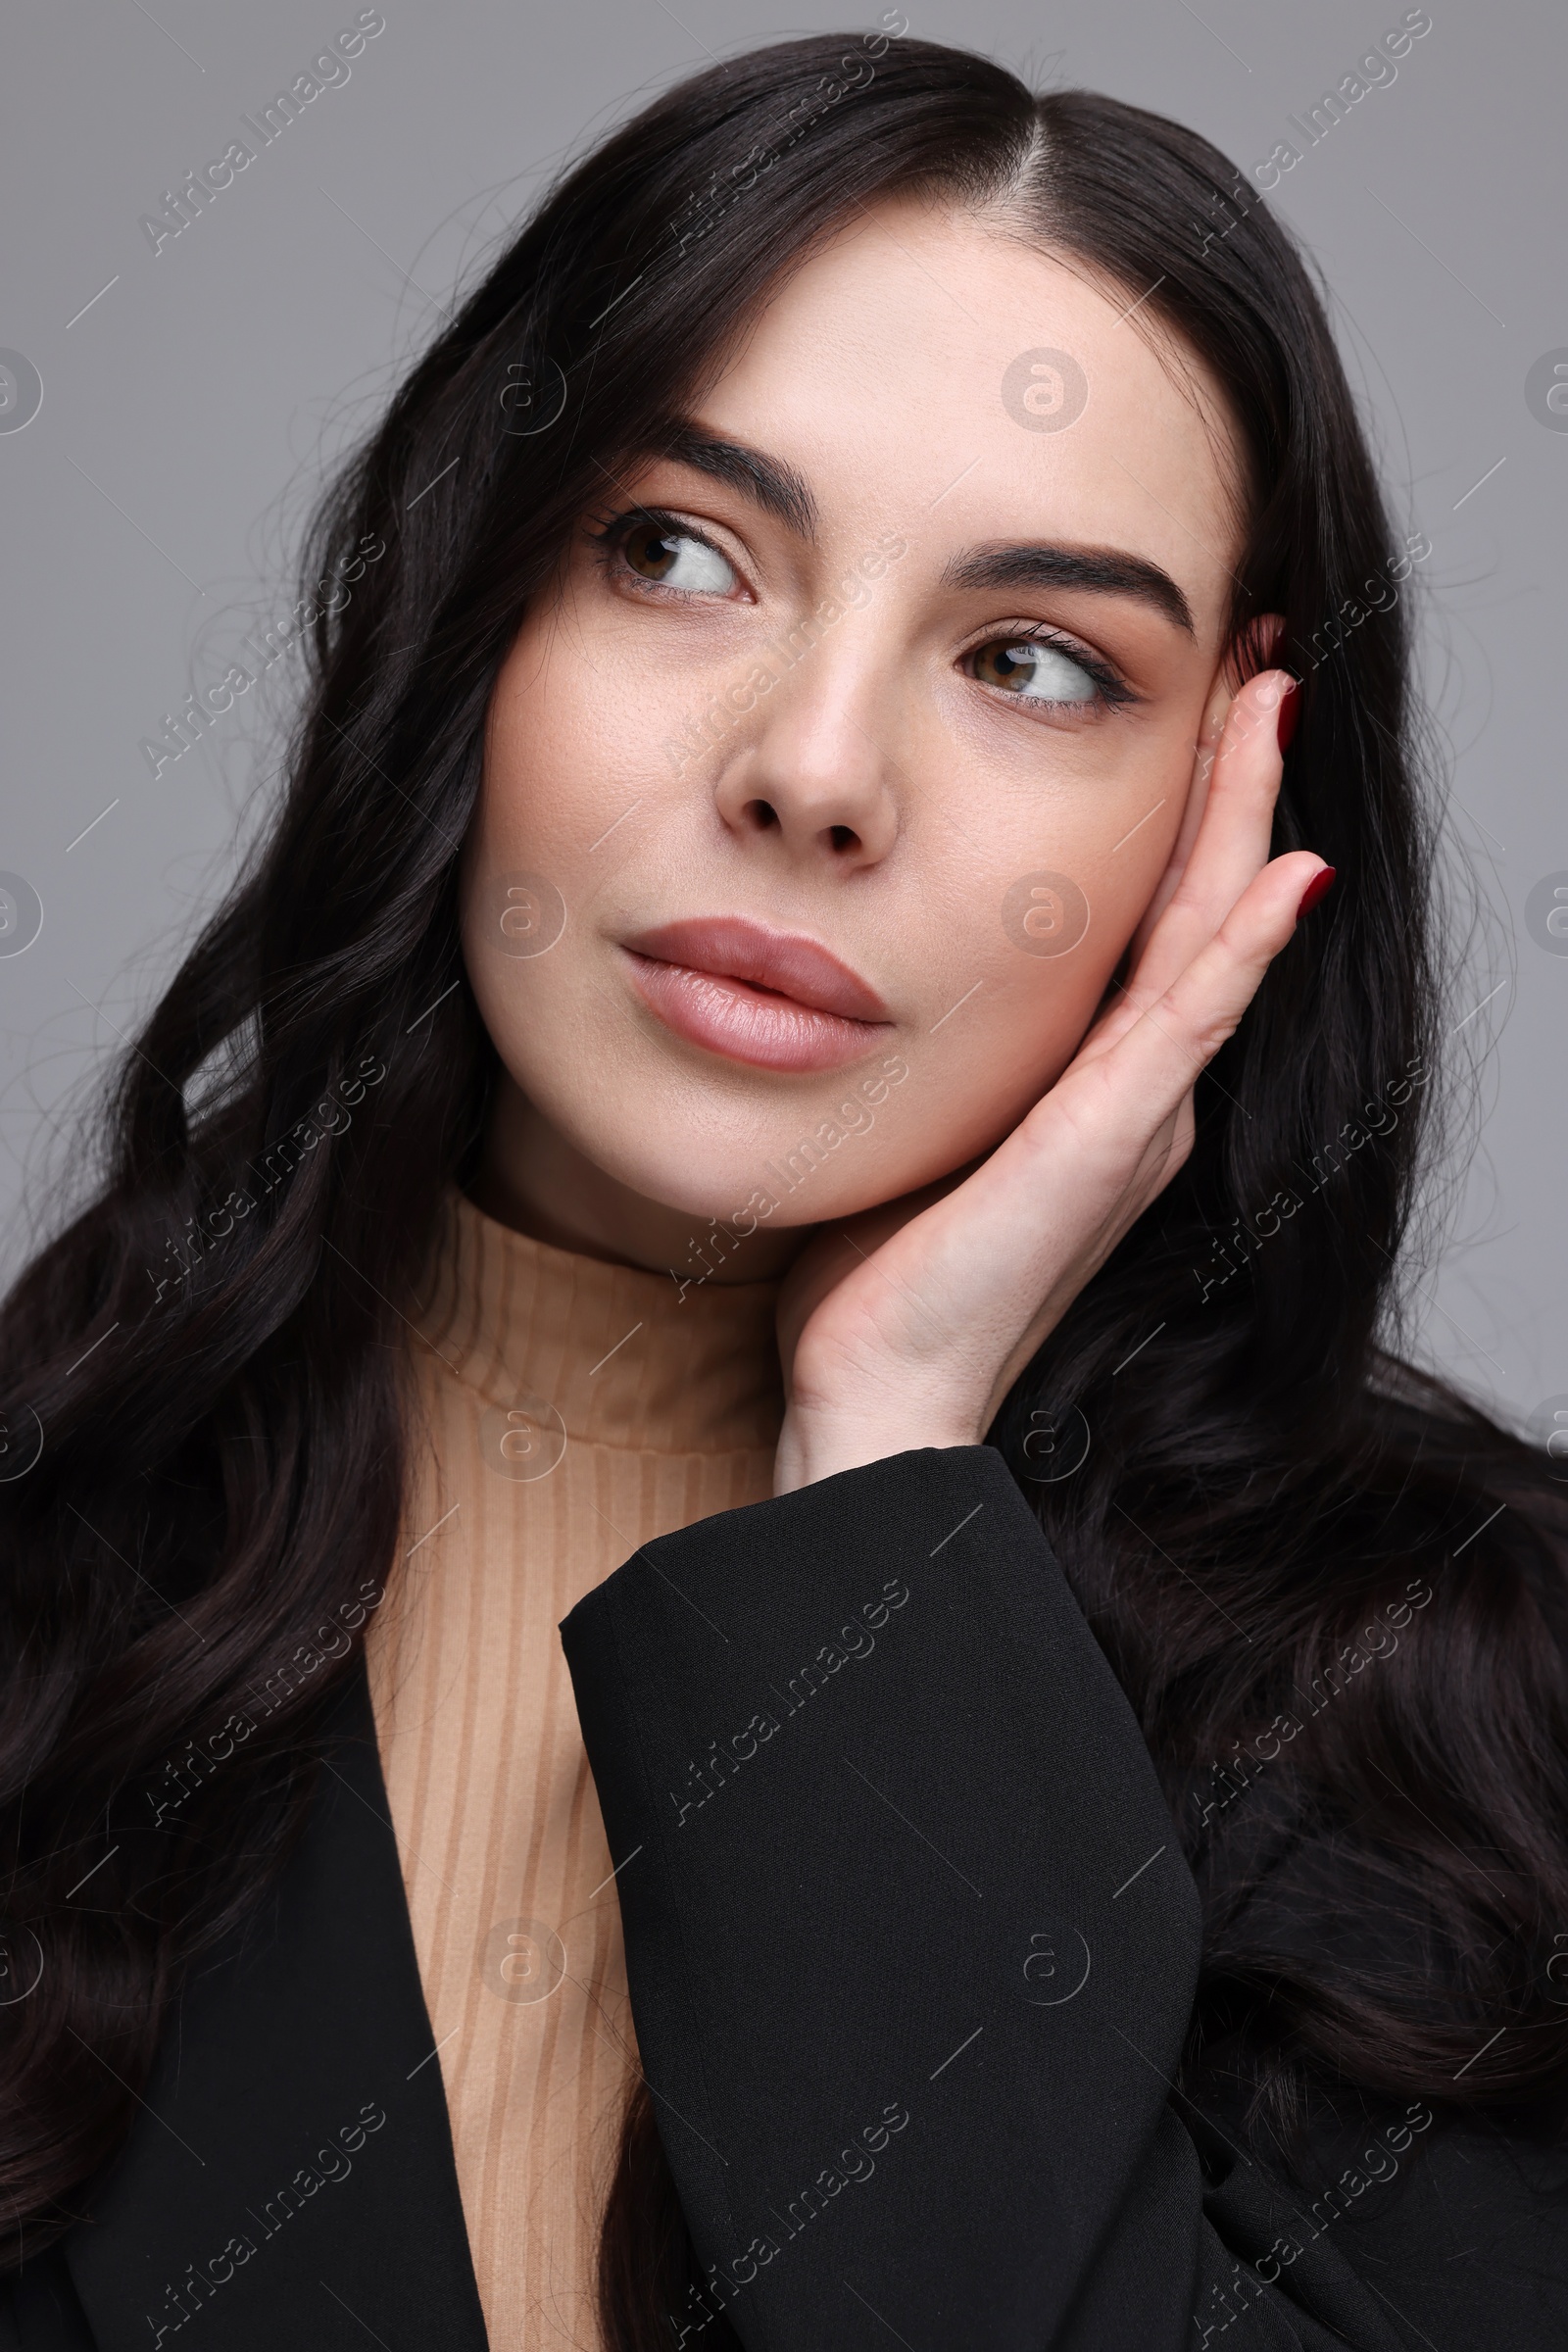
x=775, y=999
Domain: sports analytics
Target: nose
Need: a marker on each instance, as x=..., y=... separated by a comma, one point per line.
x=810, y=779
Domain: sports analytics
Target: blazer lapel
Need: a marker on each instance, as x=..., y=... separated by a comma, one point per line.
x=290, y=2177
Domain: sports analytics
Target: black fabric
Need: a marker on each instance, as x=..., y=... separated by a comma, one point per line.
x=912, y=1952
x=892, y=1847
x=258, y=2132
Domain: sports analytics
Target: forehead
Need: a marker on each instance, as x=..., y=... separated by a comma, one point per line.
x=938, y=371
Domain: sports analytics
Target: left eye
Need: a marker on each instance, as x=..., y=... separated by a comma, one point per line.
x=1034, y=672
x=675, y=560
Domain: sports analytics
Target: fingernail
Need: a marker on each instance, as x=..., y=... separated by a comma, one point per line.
x=1321, y=883
x=1289, y=713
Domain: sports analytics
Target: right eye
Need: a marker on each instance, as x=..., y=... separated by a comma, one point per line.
x=677, y=558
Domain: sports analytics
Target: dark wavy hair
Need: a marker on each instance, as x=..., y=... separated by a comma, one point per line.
x=1332, y=1587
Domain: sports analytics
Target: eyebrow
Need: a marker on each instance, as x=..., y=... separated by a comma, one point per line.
x=1103, y=570
x=767, y=481
x=780, y=491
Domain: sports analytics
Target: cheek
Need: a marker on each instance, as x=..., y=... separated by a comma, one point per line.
x=520, y=879
x=549, y=765
x=568, y=793
x=1016, y=961
x=1042, y=924
x=984, y=1063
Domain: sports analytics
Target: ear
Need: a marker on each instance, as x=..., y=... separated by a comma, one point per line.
x=1242, y=660
x=1253, y=648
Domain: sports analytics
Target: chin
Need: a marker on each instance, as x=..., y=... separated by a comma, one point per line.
x=759, y=1176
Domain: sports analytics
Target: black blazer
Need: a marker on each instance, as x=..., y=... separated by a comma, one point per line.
x=912, y=1952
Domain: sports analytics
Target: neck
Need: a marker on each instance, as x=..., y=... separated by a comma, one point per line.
x=534, y=1179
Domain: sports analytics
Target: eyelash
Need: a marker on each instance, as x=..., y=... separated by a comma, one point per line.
x=1112, y=691
x=608, y=533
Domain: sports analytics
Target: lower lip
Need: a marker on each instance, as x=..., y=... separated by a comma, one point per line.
x=750, y=1024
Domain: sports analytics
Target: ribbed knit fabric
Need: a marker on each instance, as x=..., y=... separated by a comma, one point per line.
x=571, y=1410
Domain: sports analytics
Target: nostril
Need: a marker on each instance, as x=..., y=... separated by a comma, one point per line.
x=843, y=837
x=763, y=815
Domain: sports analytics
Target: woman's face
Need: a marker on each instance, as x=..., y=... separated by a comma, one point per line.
x=825, y=791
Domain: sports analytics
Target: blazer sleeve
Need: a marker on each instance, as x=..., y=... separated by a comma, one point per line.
x=912, y=1944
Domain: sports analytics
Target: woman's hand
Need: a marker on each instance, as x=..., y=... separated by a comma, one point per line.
x=907, y=1326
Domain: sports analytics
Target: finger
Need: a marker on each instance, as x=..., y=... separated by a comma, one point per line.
x=1121, y=1005
x=1157, y=1057
x=1204, y=748
x=1236, y=773
x=1232, y=843
x=1266, y=635
x=1107, y=1108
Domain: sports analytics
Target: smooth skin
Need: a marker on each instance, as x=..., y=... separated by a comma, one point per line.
x=927, y=743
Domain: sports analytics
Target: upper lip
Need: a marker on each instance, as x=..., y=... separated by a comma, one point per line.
x=733, y=948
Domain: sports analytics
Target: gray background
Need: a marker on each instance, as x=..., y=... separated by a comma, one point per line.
x=152, y=503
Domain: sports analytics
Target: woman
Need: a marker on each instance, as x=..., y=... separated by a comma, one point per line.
x=793, y=828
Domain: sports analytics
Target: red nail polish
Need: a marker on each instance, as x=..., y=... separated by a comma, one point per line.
x=1289, y=713
x=1319, y=887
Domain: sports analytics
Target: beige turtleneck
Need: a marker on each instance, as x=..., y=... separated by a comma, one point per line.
x=571, y=1411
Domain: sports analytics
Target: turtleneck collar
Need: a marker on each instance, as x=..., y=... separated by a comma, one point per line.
x=626, y=1357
